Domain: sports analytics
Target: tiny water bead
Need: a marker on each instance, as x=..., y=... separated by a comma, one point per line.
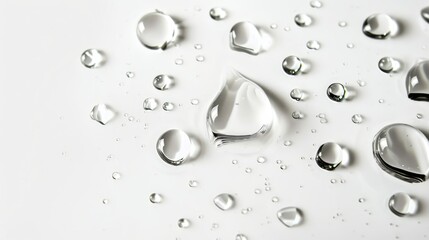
x=93, y=58
x=261, y=159
x=174, y=147
x=198, y=46
x=361, y=83
x=402, y=204
x=357, y=118
x=290, y=216
x=425, y=14
x=292, y=65
x=163, y=82
x=361, y=200
x=316, y=4
x=195, y=101
x=336, y=92
x=102, y=113
x=303, y=20
x=183, y=223
x=248, y=170
x=130, y=74
x=200, y=58
x=193, y=183
x=283, y=167
x=389, y=65
x=218, y=13
x=245, y=37
x=274, y=26
x=342, y=24
x=224, y=201
x=333, y=181
x=156, y=30
x=350, y=45
x=105, y=201
x=168, y=106
x=297, y=115
x=155, y=198
x=258, y=191
x=150, y=104
x=329, y=156
x=275, y=199
x=419, y=116
x=417, y=81
x=287, y=143
x=296, y=94
x=240, y=237
x=116, y=175
x=234, y=162
x=313, y=45
x=178, y=61
x=380, y=26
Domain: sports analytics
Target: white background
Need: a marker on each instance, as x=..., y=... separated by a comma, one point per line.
x=54, y=171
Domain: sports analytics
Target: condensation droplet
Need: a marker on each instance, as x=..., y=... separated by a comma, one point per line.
x=129, y=74
x=178, y=61
x=380, y=26
x=361, y=200
x=275, y=199
x=218, y=13
x=261, y=159
x=168, y=106
x=193, y=183
x=350, y=45
x=329, y=156
x=155, y=198
x=290, y=216
x=336, y=92
x=283, y=167
x=163, y=82
x=292, y=65
x=200, y=58
x=245, y=37
x=174, y=147
x=102, y=114
x=342, y=24
x=224, y=201
x=287, y=143
x=313, y=45
x=195, y=101
x=316, y=4
x=303, y=20
x=419, y=116
x=296, y=94
x=198, y=46
x=417, y=81
x=389, y=65
x=116, y=175
x=240, y=237
x=297, y=115
x=183, y=223
x=402, y=204
x=425, y=14
x=248, y=170
x=93, y=58
x=357, y=118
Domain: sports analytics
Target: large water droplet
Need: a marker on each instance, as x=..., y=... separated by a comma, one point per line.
x=92, y=58
x=402, y=151
x=329, y=156
x=163, y=82
x=174, y=147
x=224, y=201
x=245, y=37
x=425, y=14
x=156, y=30
x=417, y=81
x=336, y=92
x=292, y=65
x=183, y=223
x=389, y=65
x=241, y=111
x=403, y=204
x=380, y=26
x=290, y=216
x=303, y=20
x=102, y=113
x=218, y=13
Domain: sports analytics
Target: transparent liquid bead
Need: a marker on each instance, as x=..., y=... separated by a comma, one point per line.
x=303, y=20
x=342, y=24
x=316, y=4
x=245, y=37
x=116, y=175
x=329, y=156
x=174, y=147
x=402, y=204
x=102, y=114
x=425, y=14
x=380, y=26
x=168, y=106
x=389, y=65
x=297, y=115
x=240, y=237
x=261, y=159
x=92, y=58
x=163, y=82
x=218, y=13
x=357, y=118
x=292, y=65
x=193, y=183
x=240, y=112
x=183, y=223
x=156, y=30
x=417, y=81
x=150, y=104
x=313, y=45
x=155, y=198
x=402, y=151
x=336, y=92
x=224, y=201
x=290, y=216
x=296, y=94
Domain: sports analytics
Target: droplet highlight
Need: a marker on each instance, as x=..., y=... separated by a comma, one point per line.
x=380, y=26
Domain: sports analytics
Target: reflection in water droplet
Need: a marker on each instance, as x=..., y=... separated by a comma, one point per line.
x=92, y=58
x=102, y=114
x=290, y=216
x=168, y=106
x=389, y=65
x=361, y=200
x=292, y=65
x=329, y=156
x=156, y=30
x=296, y=94
x=402, y=204
x=297, y=115
x=303, y=20
x=342, y=23
x=240, y=237
x=163, y=82
x=402, y=151
x=241, y=111
x=116, y=175
x=218, y=13
x=183, y=223
x=313, y=45
x=316, y=4
x=224, y=201
x=150, y=104
x=417, y=81
x=425, y=14
x=174, y=147
x=357, y=118
x=380, y=26
x=336, y=92
x=155, y=198
x=245, y=37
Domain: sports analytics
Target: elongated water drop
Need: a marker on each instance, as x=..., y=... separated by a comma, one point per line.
x=92, y=58
x=174, y=147
x=417, y=81
x=156, y=30
x=425, y=14
x=402, y=204
x=290, y=216
x=241, y=111
x=218, y=13
x=240, y=237
x=389, y=65
x=245, y=37
x=380, y=26
x=402, y=151
x=102, y=114
x=336, y=92
x=303, y=20
x=329, y=156
x=224, y=201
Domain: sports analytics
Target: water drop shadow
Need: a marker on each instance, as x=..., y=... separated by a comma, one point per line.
x=196, y=149
x=348, y=157
x=401, y=27
x=351, y=93
x=181, y=30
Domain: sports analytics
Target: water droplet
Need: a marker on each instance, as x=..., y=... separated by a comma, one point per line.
x=163, y=82
x=287, y=29
x=267, y=189
x=274, y=26
x=258, y=191
x=342, y=23
x=313, y=130
x=290, y=216
x=129, y=74
x=155, y=198
x=419, y=116
x=215, y=226
x=261, y=159
x=116, y=175
x=218, y=13
x=245, y=37
x=275, y=199
x=248, y=170
x=380, y=26
x=336, y=92
x=174, y=147
x=240, y=237
x=333, y=181
x=241, y=111
x=287, y=143
x=283, y=167
x=389, y=65
x=296, y=94
x=184, y=223
x=402, y=204
x=105, y=201
x=93, y=58
x=361, y=83
x=350, y=45
x=323, y=120
x=357, y=118
x=178, y=61
x=200, y=58
x=381, y=100
x=329, y=156
x=361, y=200
x=303, y=20
x=297, y=115
x=417, y=81
x=102, y=114
x=244, y=211
x=292, y=65
x=156, y=30
x=150, y=104
x=402, y=151
x=279, y=161
x=313, y=45
x=168, y=106
x=316, y=4
x=198, y=46
x=224, y=201
x=193, y=183
x=195, y=101
x=425, y=14
x=234, y=162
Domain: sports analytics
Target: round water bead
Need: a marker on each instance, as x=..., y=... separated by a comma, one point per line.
x=380, y=26
x=174, y=147
x=357, y=118
x=336, y=92
x=150, y=104
x=329, y=156
x=163, y=82
x=184, y=223
x=92, y=58
x=313, y=45
x=389, y=65
x=303, y=20
x=261, y=159
x=296, y=94
x=155, y=198
x=168, y=106
x=218, y=13
x=156, y=30
x=402, y=204
x=342, y=23
x=316, y=4
x=240, y=237
x=116, y=175
x=425, y=14
x=292, y=65
x=193, y=183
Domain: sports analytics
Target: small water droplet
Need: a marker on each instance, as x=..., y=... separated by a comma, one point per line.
x=163, y=82
x=361, y=83
x=200, y=58
x=329, y=156
x=224, y=201
x=323, y=120
x=361, y=200
x=381, y=100
x=297, y=115
x=218, y=13
x=178, y=61
x=357, y=118
x=240, y=237
x=183, y=223
x=93, y=58
x=303, y=20
x=316, y=4
x=342, y=24
x=102, y=114
x=275, y=199
x=292, y=65
x=287, y=29
x=402, y=204
x=258, y=191
x=313, y=45
x=195, y=101
x=193, y=183
x=380, y=26
x=234, y=162
x=279, y=161
x=290, y=216
x=267, y=189
x=417, y=81
x=273, y=26
x=198, y=46
x=245, y=37
x=261, y=159
x=174, y=147
x=283, y=167
x=116, y=175
x=168, y=106
x=425, y=14
x=389, y=65
x=155, y=198
x=287, y=143
x=333, y=181
x=105, y=201
x=296, y=94
x=150, y=104
x=336, y=92
x=129, y=74
x=248, y=170
x=350, y=45
x=156, y=30
x=244, y=211
x=419, y=116
x=313, y=131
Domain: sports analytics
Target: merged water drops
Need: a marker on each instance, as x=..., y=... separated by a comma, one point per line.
x=389, y=65
x=290, y=216
x=218, y=13
x=329, y=156
x=245, y=37
x=303, y=20
x=313, y=45
x=336, y=92
x=425, y=14
x=150, y=104
x=155, y=198
x=402, y=204
x=102, y=113
x=402, y=151
x=417, y=81
x=380, y=26
x=292, y=65
x=163, y=82
x=297, y=115
x=92, y=58
x=174, y=147
x=157, y=30
x=224, y=201
x=241, y=111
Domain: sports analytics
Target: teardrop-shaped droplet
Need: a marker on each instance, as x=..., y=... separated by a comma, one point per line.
x=329, y=156
x=156, y=30
x=150, y=104
x=155, y=198
x=245, y=37
x=417, y=81
x=224, y=201
x=296, y=94
x=218, y=13
x=102, y=113
x=290, y=216
x=313, y=45
x=402, y=204
x=163, y=82
x=389, y=65
x=380, y=26
x=241, y=111
x=292, y=65
x=303, y=20
x=183, y=223
x=402, y=151
x=425, y=14
x=92, y=58
x=336, y=92
x=174, y=147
